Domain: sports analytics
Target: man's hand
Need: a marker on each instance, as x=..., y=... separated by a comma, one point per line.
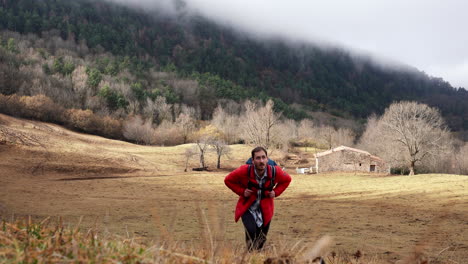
x=272, y=194
x=247, y=193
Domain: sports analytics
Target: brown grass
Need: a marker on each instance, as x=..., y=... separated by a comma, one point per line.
x=45, y=242
x=141, y=192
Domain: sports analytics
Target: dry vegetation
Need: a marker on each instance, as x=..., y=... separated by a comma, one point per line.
x=138, y=204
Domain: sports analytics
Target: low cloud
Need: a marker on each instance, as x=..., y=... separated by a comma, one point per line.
x=427, y=34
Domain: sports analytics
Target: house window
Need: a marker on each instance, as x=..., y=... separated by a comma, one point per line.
x=372, y=168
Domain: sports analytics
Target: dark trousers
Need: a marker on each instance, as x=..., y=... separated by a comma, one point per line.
x=254, y=236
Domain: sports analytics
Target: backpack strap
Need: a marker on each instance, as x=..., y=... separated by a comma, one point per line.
x=272, y=180
x=273, y=177
x=249, y=184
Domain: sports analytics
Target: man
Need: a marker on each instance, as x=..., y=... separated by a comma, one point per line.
x=257, y=185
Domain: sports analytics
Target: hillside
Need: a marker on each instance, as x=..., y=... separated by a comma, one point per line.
x=143, y=194
x=224, y=63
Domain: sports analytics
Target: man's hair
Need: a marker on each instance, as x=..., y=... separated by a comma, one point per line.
x=257, y=149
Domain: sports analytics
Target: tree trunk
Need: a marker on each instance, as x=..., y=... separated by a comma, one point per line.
x=219, y=162
x=411, y=168
x=202, y=160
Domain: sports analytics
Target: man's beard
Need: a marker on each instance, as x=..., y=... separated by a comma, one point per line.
x=260, y=166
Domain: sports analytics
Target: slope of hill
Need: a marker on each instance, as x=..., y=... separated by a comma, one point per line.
x=230, y=65
x=131, y=190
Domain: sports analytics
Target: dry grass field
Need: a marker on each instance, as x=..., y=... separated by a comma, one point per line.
x=143, y=192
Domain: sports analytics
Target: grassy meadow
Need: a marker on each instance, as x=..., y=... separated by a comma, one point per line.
x=70, y=197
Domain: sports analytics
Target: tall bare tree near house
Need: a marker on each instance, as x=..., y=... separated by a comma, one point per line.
x=326, y=135
x=306, y=133
x=258, y=123
x=344, y=136
x=330, y=137
x=305, y=129
x=283, y=133
x=369, y=139
x=461, y=160
x=373, y=141
x=418, y=128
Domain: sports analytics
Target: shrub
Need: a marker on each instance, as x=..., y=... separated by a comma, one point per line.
x=46, y=69
x=94, y=78
x=68, y=68
x=83, y=120
x=167, y=134
x=40, y=107
x=11, y=46
x=400, y=170
x=139, y=131
x=10, y=104
x=138, y=91
x=10, y=76
x=110, y=127
x=115, y=100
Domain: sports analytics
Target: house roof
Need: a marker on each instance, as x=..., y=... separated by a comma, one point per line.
x=341, y=148
x=376, y=158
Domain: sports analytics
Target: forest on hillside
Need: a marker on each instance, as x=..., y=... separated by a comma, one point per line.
x=108, y=70
x=231, y=65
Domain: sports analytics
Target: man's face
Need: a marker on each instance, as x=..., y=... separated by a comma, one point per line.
x=260, y=160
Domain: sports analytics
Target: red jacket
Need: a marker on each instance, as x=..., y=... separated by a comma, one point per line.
x=237, y=181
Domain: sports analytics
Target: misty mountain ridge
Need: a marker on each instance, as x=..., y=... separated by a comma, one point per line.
x=233, y=65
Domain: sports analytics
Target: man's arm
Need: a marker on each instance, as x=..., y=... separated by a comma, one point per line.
x=283, y=180
x=233, y=181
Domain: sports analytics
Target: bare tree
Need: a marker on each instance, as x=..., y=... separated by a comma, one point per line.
x=221, y=149
x=186, y=125
x=325, y=135
x=305, y=129
x=344, y=137
x=283, y=133
x=202, y=145
x=188, y=154
x=163, y=109
x=227, y=123
x=372, y=140
x=417, y=128
x=138, y=130
x=204, y=138
x=79, y=78
x=149, y=111
x=258, y=123
x=461, y=158
x=330, y=137
x=178, y=109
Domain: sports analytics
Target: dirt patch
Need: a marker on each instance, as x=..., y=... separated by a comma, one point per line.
x=93, y=178
x=86, y=169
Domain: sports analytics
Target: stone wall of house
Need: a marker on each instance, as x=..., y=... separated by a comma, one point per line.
x=346, y=160
x=380, y=166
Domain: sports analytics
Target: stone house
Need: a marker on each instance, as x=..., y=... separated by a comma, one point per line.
x=344, y=158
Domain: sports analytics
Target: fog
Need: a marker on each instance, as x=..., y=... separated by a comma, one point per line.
x=426, y=34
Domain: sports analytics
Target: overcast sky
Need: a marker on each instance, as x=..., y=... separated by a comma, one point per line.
x=430, y=35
